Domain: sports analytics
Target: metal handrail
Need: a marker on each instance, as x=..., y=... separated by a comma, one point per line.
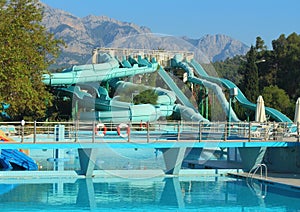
x=262, y=192
x=260, y=167
x=178, y=131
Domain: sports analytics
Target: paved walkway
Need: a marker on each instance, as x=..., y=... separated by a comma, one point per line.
x=287, y=179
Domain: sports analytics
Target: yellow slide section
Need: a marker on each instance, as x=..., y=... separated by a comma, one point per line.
x=5, y=138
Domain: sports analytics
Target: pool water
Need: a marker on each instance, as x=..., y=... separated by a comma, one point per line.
x=156, y=194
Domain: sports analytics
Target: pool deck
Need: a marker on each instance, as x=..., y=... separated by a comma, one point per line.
x=291, y=180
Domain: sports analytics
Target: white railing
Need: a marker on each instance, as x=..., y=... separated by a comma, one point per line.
x=180, y=131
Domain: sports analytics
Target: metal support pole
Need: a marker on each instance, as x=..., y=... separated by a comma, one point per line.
x=34, y=132
x=298, y=131
x=23, y=128
x=148, y=132
x=94, y=132
x=229, y=115
x=76, y=130
x=249, y=132
x=178, y=131
x=200, y=132
x=225, y=132
x=206, y=103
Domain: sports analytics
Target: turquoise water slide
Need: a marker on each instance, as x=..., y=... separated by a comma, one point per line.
x=107, y=68
x=78, y=79
x=278, y=116
x=177, y=61
x=187, y=110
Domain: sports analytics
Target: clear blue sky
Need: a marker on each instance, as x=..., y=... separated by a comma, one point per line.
x=241, y=19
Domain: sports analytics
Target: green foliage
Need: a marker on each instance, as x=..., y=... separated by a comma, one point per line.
x=249, y=70
x=137, y=95
x=146, y=97
x=278, y=72
x=287, y=55
x=26, y=50
x=228, y=69
x=277, y=98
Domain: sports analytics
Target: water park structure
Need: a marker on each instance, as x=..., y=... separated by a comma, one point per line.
x=105, y=116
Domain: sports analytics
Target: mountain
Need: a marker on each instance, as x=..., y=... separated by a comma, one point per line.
x=219, y=47
x=82, y=35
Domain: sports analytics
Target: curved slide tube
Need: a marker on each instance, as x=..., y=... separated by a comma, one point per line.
x=107, y=69
x=278, y=116
x=172, y=85
x=213, y=86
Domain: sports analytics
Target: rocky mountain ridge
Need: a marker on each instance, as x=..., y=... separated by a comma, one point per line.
x=82, y=35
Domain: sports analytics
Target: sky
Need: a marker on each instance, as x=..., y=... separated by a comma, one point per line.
x=243, y=20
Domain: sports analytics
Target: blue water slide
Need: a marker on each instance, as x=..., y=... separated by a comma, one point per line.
x=108, y=68
x=172, y=85
x=188, y=114
x=165, y=97
x=211, y=85
x=277, y=115
x=187, y=110
x=133, y=113
x=14, y=159
x=108, y=109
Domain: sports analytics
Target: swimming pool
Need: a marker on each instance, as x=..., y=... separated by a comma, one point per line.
x=156, y=194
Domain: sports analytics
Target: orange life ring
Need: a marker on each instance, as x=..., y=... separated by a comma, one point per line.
x=143, y=125
x=100, y=130
x=121, y=126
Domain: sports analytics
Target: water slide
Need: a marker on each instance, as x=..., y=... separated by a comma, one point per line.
x=107, y=68
x=13, y=158
x=113, y=109
x=187, y=110
x=177, y=61
x=278, y=116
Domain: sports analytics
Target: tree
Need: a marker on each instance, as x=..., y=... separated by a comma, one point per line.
x=260, y=44
x=249, y=71
x=287, y=54
x=277, y=98
x=228, y=68
x=26, y=50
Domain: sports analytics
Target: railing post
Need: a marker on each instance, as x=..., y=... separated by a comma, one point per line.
x=128, y=134
x=200, y=132
x=93, y=131
x=148, y=132
x=23, y=126
x=249, y=132
x=178, y=131
x=298, y=131
x=34, y=132
x=76, y=130
x=225, y=131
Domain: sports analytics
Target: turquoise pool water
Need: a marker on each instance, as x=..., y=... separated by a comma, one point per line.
x=157, y=194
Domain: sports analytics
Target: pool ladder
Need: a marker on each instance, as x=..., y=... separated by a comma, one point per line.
x=258, y=190
x=260, y=167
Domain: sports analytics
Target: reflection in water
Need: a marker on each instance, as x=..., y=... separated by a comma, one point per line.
x=152, y=194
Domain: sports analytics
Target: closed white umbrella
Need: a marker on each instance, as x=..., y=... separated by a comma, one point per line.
x=260, y=114
x=297, y=111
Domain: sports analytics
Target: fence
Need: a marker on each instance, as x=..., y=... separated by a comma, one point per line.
x=145, y=132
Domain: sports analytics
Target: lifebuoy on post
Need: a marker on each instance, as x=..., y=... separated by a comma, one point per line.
x=100, y=130
x=143, y=125
x=127, y=130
